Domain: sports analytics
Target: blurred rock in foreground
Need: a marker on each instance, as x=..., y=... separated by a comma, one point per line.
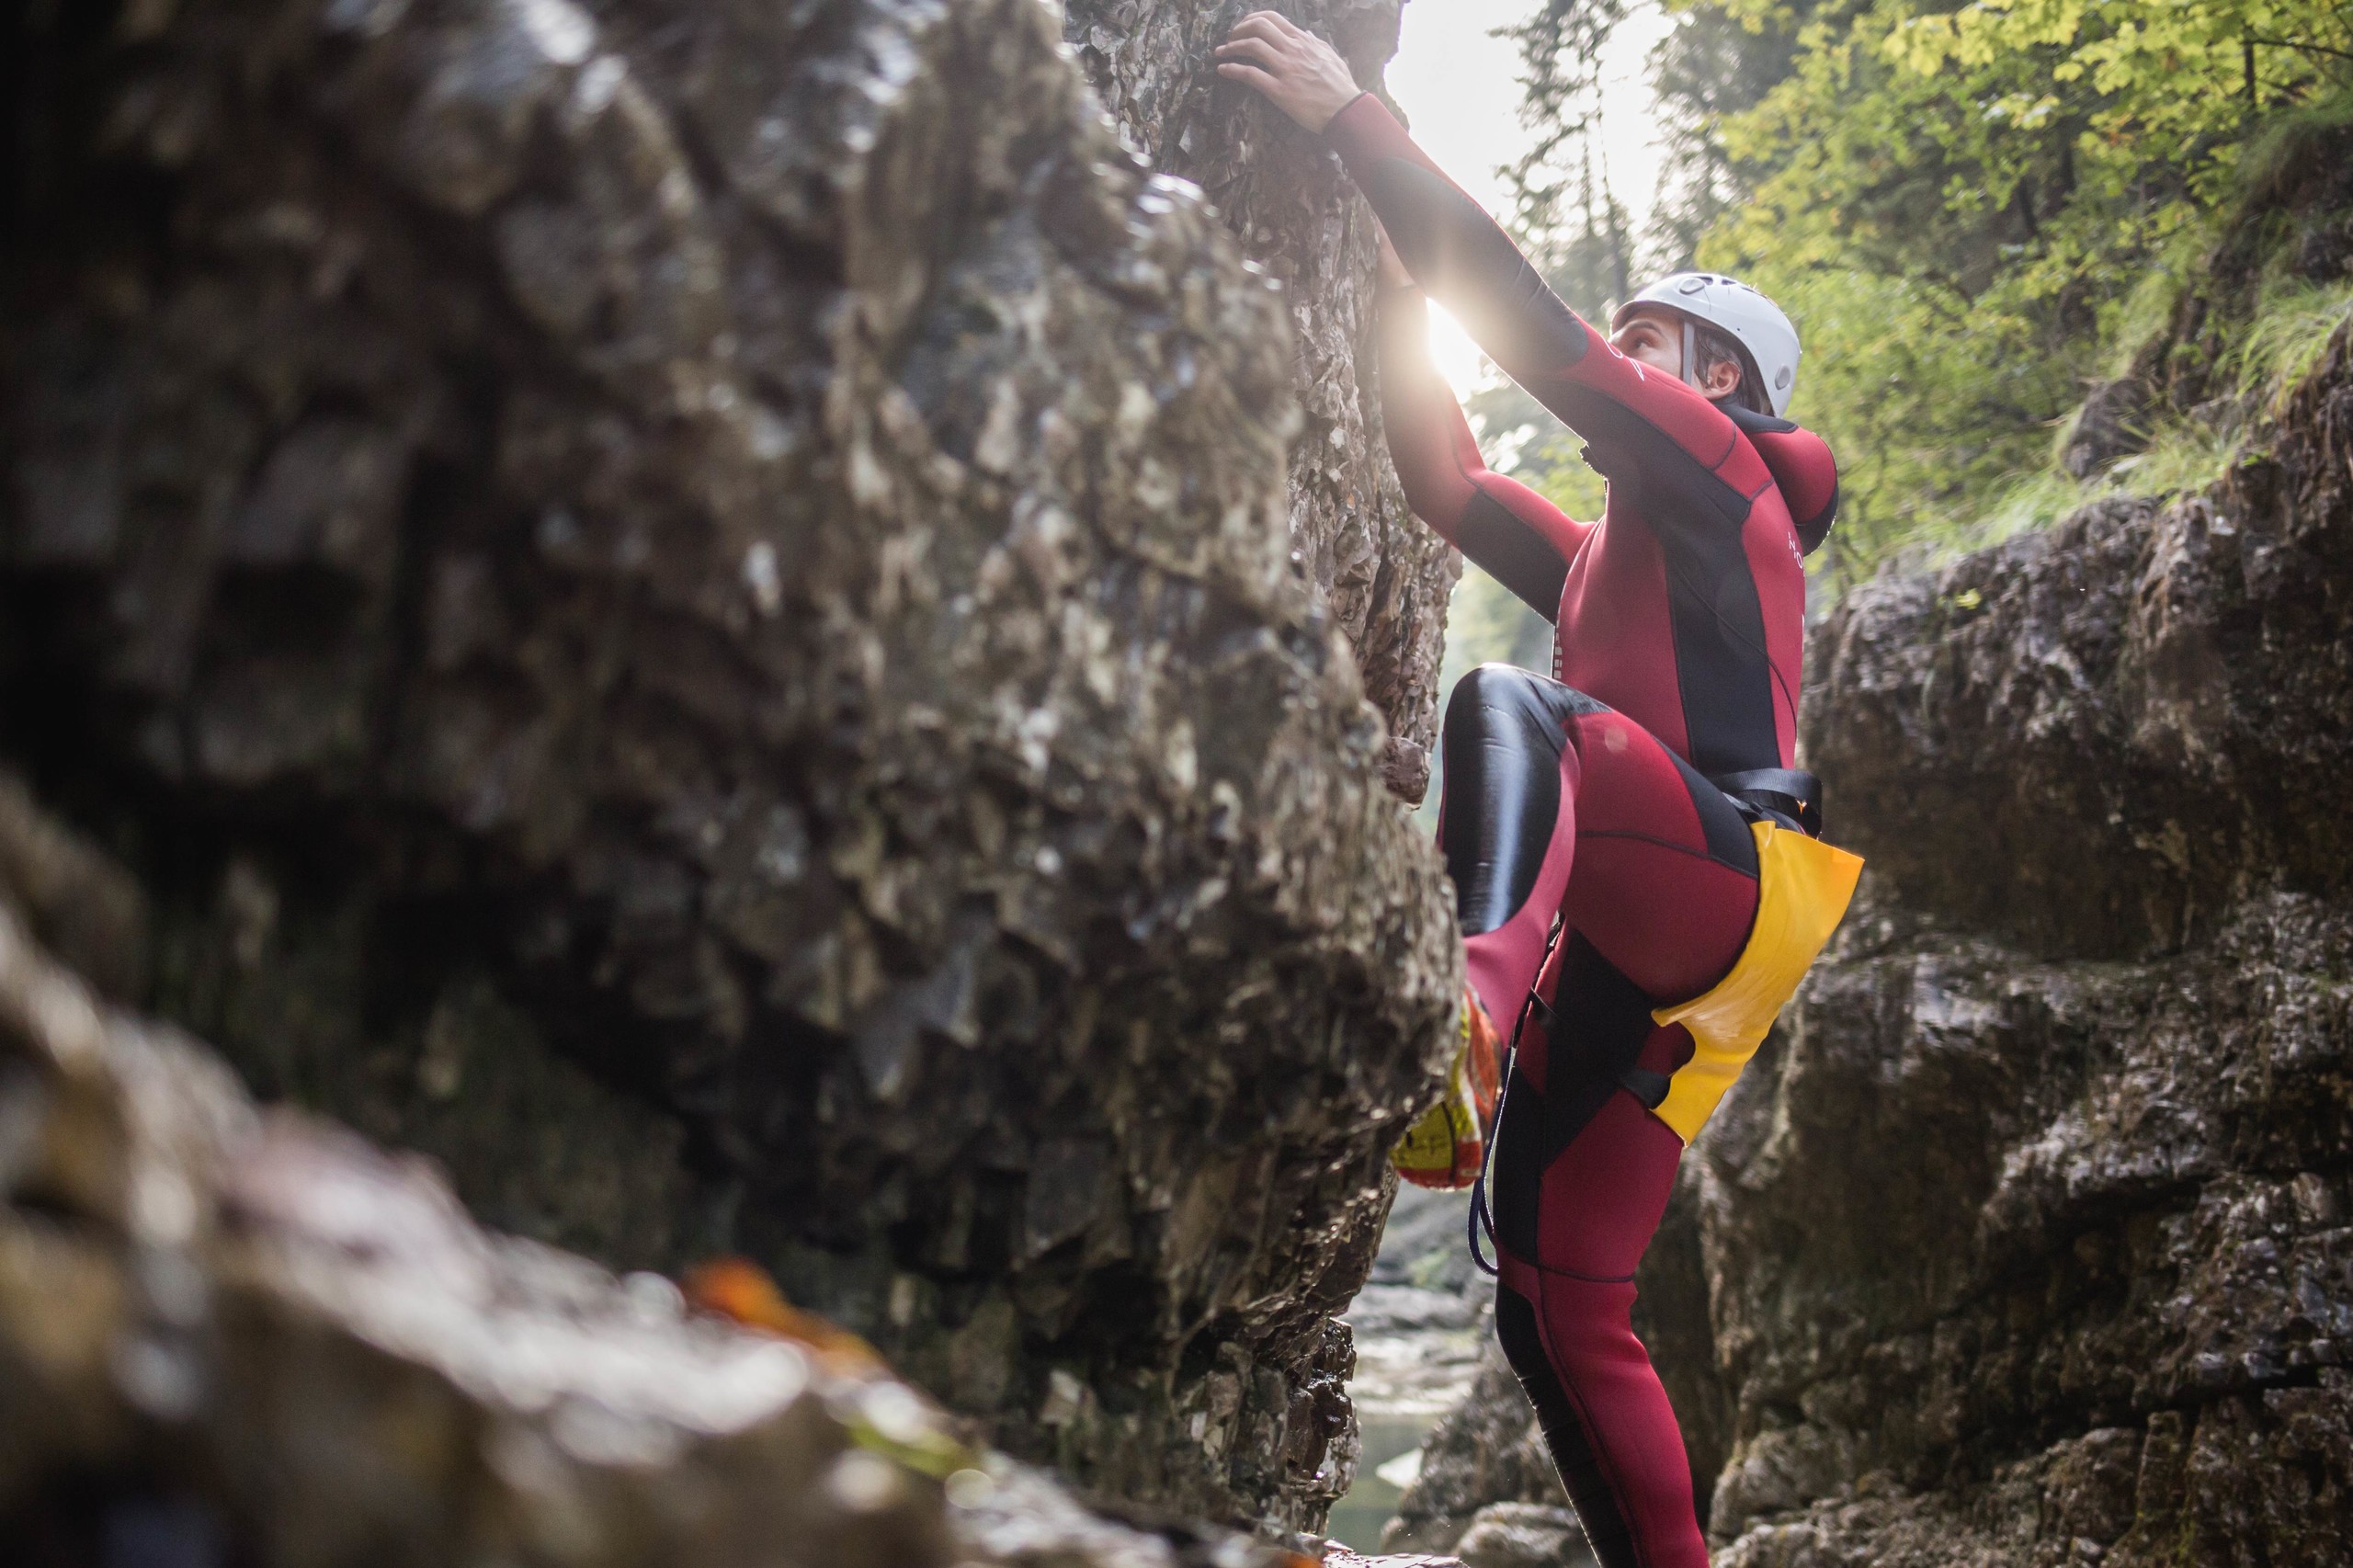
x=230, y=1335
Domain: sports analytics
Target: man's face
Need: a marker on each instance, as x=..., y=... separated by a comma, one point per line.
x=1656, y=337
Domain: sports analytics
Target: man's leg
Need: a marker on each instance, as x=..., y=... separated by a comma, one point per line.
x=1656, y=874
x=1566, y=1331
x=1539, y=779
x=1507, y=823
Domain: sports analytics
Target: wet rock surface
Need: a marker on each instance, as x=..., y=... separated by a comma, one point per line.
x=2032, y=1244
x=707, y=613
x=2027, y=1238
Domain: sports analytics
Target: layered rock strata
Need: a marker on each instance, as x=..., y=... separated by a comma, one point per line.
x=699, y=610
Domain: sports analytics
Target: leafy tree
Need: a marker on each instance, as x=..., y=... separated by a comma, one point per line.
x=1956, y=202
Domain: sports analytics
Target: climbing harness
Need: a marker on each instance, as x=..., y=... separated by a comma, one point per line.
x=1804, y=887
x=1789, y=794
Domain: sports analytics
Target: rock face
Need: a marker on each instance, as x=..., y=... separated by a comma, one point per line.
x=1524, y=1535
x=1300, y=218
x=2029, y=1238
x=2034, y=1243
x=697, y=611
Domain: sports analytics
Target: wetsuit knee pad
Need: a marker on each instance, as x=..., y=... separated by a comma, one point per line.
x=1495, y=695
x=1505, y=731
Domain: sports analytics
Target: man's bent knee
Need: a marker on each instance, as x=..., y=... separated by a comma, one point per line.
x=1495, y=697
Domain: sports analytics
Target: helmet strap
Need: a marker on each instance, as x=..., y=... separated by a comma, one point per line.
x=1691, y=355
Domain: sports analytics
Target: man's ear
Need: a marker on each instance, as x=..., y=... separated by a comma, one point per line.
x=1723, y=376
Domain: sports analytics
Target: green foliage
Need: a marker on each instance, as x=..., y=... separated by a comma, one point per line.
x=2181, y=456
x=1972, y=211
x=1486, y=624
x=2272, y=356
x=2291, y=327
x=2144, y=312
x=1560, y=51
x=1928, y=403
x=1555, y=468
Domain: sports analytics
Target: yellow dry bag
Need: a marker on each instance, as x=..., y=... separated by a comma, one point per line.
x=1803, y=888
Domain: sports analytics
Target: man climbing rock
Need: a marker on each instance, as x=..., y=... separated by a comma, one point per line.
x=1637, y=872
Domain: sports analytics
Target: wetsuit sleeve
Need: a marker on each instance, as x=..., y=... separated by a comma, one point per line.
x=1471, y=267
x=1515, y=535
x=1801, y=465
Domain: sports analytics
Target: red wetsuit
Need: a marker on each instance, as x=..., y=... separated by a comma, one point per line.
x=1680, y=624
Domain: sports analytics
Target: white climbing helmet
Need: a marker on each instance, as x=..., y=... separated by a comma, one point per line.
x=1731, y=306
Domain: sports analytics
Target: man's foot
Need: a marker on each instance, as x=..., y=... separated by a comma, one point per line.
x=1446, y=1146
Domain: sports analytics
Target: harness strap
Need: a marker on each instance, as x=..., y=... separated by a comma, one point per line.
x=1645, y=1085
x=1480, y=1220
x=1482, y=1224
x=1789, y=794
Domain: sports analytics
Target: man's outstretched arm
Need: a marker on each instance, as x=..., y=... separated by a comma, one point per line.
x=1457, y=252
x=1515, y=535
x=1467, y=261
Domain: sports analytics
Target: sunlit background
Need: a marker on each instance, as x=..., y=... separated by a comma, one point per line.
x=1459, y=83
